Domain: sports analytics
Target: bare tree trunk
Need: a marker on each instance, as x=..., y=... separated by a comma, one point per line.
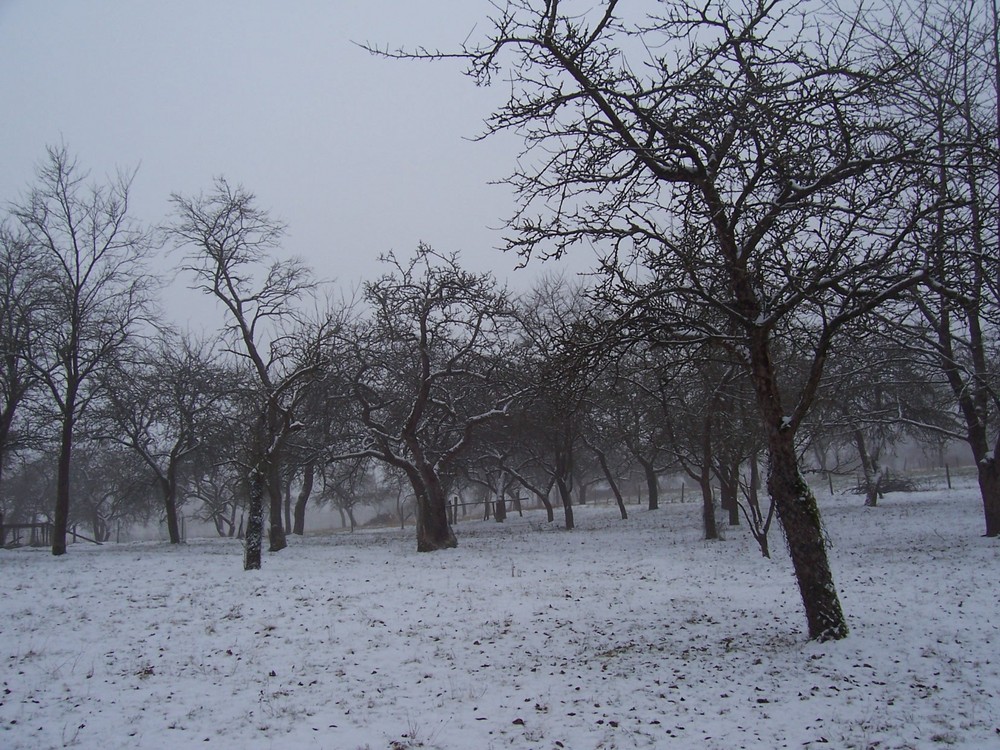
x=794, y=502
x=612, y=483
x=170, y=510
x=869, y=470
x=652, y=483
x=308, y=477
x=286, y=487
x=705, y=482
x=988, y=470
x=752, y=490
x=61, y=515
x=708, y=511
x=276, y=531
x=799, y=516
x=566, y=496
x=564, y=479
x=499, y=502
x=550, y=513
x=729, y=490
x=433, y=530
x=729, y=498
x=255, y=519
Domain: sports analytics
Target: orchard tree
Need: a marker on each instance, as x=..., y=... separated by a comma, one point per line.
x=876, y=394
x=550, y=416
x=22, y=297
x=639, y=418
x=228, y=243
x=220, y=489
x=424, y=371
x=111, y=488
x=954, y=104
x=96, y=293
x=165, y=407
x=741, y=170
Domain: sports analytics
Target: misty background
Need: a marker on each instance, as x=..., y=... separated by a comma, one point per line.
x=359, y=155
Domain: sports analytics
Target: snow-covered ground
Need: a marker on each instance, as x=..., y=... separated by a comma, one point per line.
x=633, y=634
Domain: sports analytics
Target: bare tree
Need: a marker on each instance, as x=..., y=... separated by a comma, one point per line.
x=954, y=104
x=165, y=407
x=111, y=488
x=423, y=374
x=228, y=243
x=550, y=417
x=220, y=489
x=740, y=167
x=97, y=292
x=22, y=296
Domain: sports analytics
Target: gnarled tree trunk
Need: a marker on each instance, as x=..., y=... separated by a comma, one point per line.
x=308, y=477
x=433, y=530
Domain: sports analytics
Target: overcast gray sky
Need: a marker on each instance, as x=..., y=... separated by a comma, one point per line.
x=359, y=155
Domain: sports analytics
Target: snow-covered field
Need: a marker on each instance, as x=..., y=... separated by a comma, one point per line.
x=632, y=634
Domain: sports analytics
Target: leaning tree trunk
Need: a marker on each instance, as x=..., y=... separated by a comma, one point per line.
x=794, y=502
x=543, y=498
x=433, y=530
x=798, y=513
x=612, y=483
x=308, y=478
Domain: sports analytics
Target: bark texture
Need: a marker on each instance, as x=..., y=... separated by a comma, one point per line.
x=255, y=520
x=799, y=516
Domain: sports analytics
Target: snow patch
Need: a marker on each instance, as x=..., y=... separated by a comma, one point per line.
x=526, y=636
